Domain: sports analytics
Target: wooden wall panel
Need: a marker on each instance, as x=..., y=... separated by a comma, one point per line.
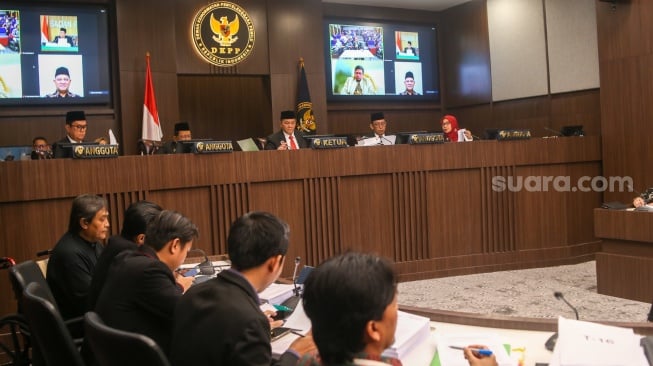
x=454, y=199
x=410, y=198
x=366, y=214
x=322, y=221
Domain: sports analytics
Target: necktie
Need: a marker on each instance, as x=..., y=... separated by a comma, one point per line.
x=358, y=90
x=293, y=145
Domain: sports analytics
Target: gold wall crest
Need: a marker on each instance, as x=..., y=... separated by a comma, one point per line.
x=223, y=33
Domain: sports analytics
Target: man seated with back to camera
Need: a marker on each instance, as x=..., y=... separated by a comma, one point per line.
x=73, y=259
x=182, y=133
x=354, y=318
x=75, y=126
x=219, y=322
x=138, y=216
x=142, y=288
x=41, y=149
x=287, y=138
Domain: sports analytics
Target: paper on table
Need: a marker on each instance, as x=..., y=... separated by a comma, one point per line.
x=276, y=293
x=454, y=357
x=583, y=343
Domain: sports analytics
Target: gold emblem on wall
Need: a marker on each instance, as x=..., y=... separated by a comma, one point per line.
x=223, y=33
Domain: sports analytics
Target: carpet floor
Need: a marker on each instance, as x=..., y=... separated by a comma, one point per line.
x=525, y=293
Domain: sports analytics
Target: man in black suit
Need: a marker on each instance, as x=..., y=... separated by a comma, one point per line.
x=137, y=217
x=288, y=138
x=63, y=39
x=141, y=289
x=76, y=126
x=219, y=322
x=182, y=133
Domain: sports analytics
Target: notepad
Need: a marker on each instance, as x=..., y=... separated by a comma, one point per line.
x=247, y=145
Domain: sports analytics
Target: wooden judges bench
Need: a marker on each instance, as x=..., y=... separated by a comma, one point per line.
x=430, y=208
x=624, y=267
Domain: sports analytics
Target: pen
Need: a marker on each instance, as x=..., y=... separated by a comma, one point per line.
x=297, y=333
x=282, y=308
x=480, y=351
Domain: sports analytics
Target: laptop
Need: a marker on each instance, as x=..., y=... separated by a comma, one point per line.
x=247, y=145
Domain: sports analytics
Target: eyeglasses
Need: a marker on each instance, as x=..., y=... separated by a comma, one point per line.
x=42, y=146
x=79, y=127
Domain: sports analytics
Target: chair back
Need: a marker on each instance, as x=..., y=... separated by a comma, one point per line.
x=48, y=328
x=112, y=346
x=24, y=273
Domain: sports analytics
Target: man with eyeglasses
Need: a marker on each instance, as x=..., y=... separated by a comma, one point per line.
x=75, y=132
x=41, y=149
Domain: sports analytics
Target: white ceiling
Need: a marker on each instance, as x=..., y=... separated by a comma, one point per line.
x=431, y=5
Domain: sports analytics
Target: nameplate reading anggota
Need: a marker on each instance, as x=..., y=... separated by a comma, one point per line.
x=505, y=135
x=329, y=142
x=426, y=138
x=95, y=151
x=211, y=147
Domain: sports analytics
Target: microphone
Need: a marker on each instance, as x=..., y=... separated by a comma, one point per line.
x=551, y=342
x=206, y=267
x=387, y=139
x=294, y=275
x=559, y=296
x=558, y=133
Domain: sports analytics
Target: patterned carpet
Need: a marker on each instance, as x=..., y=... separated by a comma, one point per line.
x=524, y=293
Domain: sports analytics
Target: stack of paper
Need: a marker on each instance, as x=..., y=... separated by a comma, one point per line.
x=411, y=331
x=584, y=343
x=276, y=293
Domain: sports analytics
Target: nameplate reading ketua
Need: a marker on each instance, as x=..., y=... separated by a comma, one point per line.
x=211, y=147
x=426, y=138
x=95, y=151
x=329, y=142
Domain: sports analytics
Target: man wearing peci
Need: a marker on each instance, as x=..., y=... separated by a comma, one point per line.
x=75, y=133
x=409, y=82
x=182, y=133
x=62, y=39
x=62, y=84
x=287, y=138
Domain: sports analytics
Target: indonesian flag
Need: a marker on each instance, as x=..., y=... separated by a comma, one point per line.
x=45, y=32
x=151, y=126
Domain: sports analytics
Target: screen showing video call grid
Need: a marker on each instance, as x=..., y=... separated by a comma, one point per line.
x=398, y=61
x=38, y=41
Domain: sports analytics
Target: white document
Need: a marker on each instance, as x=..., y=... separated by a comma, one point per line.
x=375, y=141
x=455, y=357
x=299, y=322
x=583, y=343
x=411, y=331
x=461, y=135
x=276, y=293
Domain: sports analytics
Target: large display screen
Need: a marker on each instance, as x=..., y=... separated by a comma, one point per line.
x=54, y=54
x=380, y=61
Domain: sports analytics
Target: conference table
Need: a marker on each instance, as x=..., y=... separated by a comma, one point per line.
x=432, y=209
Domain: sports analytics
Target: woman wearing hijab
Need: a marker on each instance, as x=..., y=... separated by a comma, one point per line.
x=450, y=128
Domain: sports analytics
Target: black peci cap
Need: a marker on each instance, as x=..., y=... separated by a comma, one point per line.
x=376, y=116
x=73, y=116
x=288, y=115
x=62, y=71
x=181, y=126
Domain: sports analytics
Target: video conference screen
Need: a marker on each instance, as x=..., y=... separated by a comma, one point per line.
x=54, y=54
x=380, y=61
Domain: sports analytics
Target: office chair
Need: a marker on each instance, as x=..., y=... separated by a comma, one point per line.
x=16, y=328
x=112, y=346
x=48, y=328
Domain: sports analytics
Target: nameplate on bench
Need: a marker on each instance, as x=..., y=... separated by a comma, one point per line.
x=426, y=138
x=506, y=135
x=211, y=147
x=95, y=151
x=329, y=142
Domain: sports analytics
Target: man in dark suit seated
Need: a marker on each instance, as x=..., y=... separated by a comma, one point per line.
x=75, y=133
x=182, y=133
x=219, y=322
x=142, y=288
x=288, y=138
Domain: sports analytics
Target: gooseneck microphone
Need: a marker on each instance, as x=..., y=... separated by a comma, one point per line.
x=551, y=342
x=559, y=296
x=294, y=275
x=206, y=267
